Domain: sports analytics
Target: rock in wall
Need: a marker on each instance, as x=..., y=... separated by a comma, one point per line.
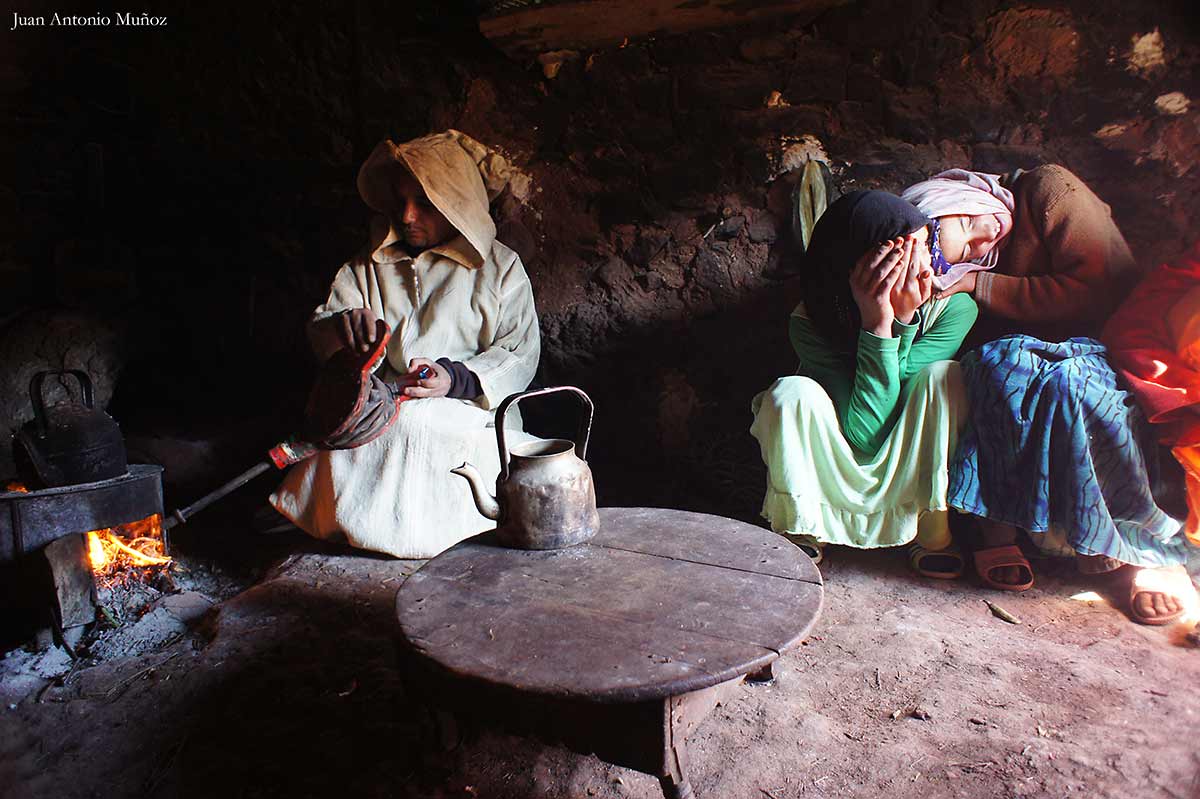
x=655, y=223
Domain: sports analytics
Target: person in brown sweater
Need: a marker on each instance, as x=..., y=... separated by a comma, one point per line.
x=1042, y=257
x=1061, y=266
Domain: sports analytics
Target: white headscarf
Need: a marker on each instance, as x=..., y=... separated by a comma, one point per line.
x=960, y=191
x=459, y=175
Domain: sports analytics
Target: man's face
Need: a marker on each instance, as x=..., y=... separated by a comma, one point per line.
x=413, y=216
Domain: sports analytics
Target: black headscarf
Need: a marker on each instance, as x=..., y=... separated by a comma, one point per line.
x=855, y=223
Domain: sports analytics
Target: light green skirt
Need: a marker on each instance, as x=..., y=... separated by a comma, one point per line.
x=816, y=485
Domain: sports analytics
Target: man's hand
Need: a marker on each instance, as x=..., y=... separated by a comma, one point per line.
x=967, y=284
x=871, y=283
x=436, y=385
x=916, y=282
x=356, y=329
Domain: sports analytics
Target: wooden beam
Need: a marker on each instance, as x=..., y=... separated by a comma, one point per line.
x=593, y=24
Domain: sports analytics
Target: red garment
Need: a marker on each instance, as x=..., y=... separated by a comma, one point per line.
x=1143, y=350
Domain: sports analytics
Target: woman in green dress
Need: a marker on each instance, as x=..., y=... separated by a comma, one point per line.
x=857, y=443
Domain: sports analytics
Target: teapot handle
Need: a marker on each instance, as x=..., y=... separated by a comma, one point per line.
x=39, y=401
x=581, y=438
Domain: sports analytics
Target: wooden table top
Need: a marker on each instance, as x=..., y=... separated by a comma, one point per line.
x=660, y=603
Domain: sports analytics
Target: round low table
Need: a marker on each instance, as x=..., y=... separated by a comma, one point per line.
x=618, y=647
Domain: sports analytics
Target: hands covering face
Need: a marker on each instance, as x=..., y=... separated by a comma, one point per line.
x=890, y=282
x=915, y=284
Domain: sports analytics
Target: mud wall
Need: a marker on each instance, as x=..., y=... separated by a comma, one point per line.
x=192, y=187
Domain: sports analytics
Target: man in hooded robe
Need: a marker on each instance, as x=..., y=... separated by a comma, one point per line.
x=457, y=302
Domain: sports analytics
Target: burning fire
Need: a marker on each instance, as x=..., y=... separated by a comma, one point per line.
x=115, y=550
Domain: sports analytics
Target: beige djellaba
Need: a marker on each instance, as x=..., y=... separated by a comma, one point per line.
x=469, y=300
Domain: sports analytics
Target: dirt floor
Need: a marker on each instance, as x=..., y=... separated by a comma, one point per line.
x=906, y=689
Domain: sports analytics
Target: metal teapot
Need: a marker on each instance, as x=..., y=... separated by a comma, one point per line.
x=545, y=498
x=69, y=443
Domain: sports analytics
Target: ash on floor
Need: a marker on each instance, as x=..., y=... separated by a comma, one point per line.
x=907, y=688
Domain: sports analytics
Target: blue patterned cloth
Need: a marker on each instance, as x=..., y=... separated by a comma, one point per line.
x=1055, y=445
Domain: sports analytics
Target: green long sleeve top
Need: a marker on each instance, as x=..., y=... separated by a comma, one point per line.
x=867, y=399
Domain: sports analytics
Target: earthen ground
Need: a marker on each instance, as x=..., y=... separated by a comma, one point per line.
x=907, y=688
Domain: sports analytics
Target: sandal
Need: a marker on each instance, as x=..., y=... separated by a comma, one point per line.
x=808, y=545
x=997, y=557
x=925, y=562
x=1160, y=581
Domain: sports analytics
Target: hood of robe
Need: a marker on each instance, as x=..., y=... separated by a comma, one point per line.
x=459, y=175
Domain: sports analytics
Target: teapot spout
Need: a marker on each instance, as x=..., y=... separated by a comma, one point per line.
x=484, y=501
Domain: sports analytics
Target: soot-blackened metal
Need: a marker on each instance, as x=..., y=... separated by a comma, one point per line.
x=29, y=521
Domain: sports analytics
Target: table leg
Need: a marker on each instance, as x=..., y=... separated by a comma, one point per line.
x=440, y=726
x=446, y=729
x=675, y=783
x=765, y=674
x=676, y=790
x=681, y=714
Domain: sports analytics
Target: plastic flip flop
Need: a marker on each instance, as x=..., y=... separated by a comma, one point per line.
x=1160, y=581
x=986, y=560
x=919, y=555
x=810, y=546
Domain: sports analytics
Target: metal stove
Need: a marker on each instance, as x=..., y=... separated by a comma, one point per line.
x=29, y=521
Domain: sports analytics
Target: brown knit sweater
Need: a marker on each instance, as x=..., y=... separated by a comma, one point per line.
x=1065, y=266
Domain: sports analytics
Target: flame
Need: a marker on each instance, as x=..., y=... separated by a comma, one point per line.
x=115, y=551
x=12, y=486
x=96, y=554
